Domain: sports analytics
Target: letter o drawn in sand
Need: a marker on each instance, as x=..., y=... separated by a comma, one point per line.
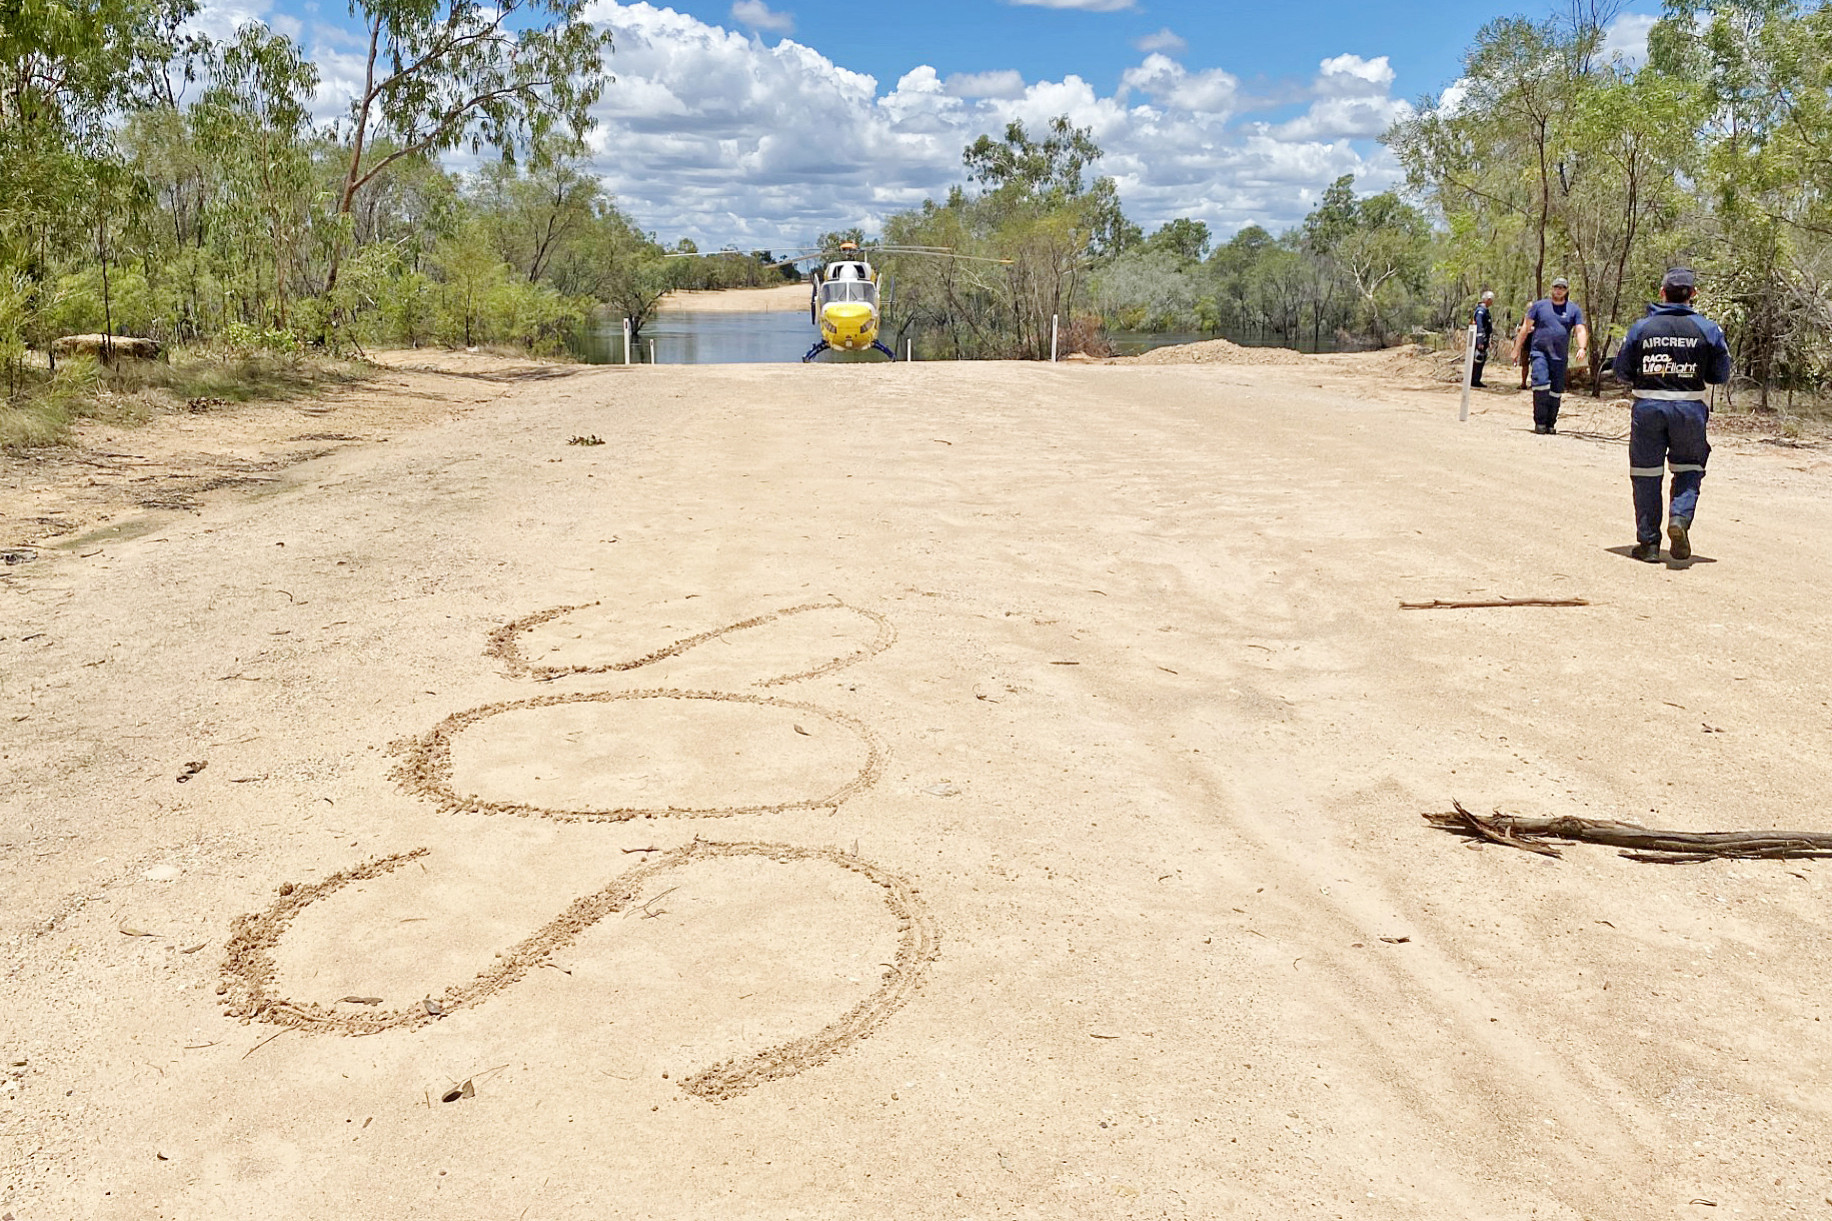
x=566, y=768
x=249, y=964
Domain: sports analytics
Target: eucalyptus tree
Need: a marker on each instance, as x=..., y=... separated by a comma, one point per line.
x=253, y=119
x=1765, y=69
x=68, y=68
x=440, y=75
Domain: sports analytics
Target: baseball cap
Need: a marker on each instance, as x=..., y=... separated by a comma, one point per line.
x=1679, y=277
x=1488, y=296
x=1561, y=282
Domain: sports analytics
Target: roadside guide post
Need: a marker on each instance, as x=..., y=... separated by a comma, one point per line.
x=626, y=341
x=651, y=351
x=1469, y=371
x=1054, y=319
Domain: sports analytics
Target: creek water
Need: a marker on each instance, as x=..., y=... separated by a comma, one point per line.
x=689, y=337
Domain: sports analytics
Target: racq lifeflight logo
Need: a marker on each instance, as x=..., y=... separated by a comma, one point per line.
x=1662, y=364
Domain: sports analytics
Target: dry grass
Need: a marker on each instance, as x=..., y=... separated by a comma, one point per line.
x=133, y=391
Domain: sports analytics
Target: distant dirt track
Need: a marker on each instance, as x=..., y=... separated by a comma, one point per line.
x=781, y=299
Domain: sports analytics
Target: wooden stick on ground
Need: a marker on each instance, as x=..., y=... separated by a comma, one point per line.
x=1436, y=604
x=1641, y=843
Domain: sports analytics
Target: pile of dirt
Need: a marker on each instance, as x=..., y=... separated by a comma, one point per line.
x=1217, y=352
x=1413, y=361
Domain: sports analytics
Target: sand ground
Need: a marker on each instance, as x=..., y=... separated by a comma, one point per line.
x=777, y=299
x=1042, y=839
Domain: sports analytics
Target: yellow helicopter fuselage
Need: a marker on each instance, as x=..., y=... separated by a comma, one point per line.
x=846, y=305
x=850, y=326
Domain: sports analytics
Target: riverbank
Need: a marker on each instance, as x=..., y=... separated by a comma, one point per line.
x=777, y=299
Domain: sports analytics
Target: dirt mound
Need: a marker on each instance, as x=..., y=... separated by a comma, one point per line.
x=1217, y=352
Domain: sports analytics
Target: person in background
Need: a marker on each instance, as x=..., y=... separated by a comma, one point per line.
x=1547, y=334
x=1485, y=329
x=1669, y=357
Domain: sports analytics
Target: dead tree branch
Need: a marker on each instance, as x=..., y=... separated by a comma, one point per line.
x=1441, y=605
x=1640, y=843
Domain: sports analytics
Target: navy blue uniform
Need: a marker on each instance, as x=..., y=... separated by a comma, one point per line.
x=1550, y=355
x=1669, y=357
x=1485, y=329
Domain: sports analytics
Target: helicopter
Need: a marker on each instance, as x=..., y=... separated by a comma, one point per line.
x=844, y=307
x=846, y=304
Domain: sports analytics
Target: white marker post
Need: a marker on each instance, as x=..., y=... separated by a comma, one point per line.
x=909, y=350
x=651, y=351
x=1055, y=319
x=1469, y=372
x=626, y=341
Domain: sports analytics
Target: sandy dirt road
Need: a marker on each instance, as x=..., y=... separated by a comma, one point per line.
x=1049, y=846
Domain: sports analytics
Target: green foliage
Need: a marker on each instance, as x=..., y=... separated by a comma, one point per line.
x=1185, y=239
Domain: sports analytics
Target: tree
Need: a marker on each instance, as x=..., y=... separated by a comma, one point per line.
x=1186, y=239
x=440, y=74
x=254, y=115
x=535, y=215
x=1033, y=167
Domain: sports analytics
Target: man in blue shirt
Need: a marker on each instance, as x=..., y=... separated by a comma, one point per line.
x=1669, y=357
x=1551, y=324
x=1485, y=330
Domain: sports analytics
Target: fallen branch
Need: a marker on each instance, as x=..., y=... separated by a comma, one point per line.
x=1441, y=605
x=1641, y=843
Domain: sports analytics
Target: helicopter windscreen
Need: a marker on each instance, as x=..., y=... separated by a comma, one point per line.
x=849, y=290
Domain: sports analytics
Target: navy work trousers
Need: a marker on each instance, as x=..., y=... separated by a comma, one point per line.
x=1548, y=373
x=1663, y=432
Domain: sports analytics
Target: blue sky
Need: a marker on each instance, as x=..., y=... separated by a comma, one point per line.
x=767, y=122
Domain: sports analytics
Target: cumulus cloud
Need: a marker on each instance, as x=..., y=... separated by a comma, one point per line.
x=1170, y=84
x=1003, y=83
x=709, y=133
x=1626, y=38
x=220, y=19
x=1352, y=75
x=1163, y=40
x=1352, y=100
x=1451, y=100
x=759, y=16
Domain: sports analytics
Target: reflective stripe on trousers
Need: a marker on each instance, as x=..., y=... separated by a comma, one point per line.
x=1667, y=433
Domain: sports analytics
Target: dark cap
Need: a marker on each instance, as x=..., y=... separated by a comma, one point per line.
x=1679, y=277
x=1561, y=282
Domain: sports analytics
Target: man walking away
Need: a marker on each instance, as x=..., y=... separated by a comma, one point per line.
x=1551, y=324
x=1485, y=328
x=1669, y=357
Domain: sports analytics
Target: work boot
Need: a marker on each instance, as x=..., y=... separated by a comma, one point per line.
x=1541, y=429
x=1648, y=552
x=1677, y=535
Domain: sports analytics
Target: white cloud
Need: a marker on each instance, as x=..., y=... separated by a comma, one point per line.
x=1627, y=38
x=759, y=16
x=1170, y=84
x=709, y=133
x=1003, y=83
x=1351, y=74
x=1086, y=6
x=220, y=19
x=1451, y=100
x=1352, y=100
x=1164, y=41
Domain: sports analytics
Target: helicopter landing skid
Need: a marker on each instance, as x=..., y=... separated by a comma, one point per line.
x=814, y=353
